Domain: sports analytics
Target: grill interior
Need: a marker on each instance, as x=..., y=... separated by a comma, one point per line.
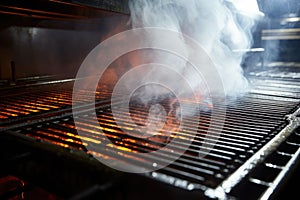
x=253, y=121
x=253, y=154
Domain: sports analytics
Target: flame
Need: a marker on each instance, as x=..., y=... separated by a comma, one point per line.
x=88, y=139
x=60, y=137
x=122, y=148
x=50, y=141
x=100, y=155
x=16, y=111
x=9, y=114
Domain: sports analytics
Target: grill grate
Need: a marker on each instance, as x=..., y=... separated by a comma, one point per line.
x=20, y=104
x=251, y=121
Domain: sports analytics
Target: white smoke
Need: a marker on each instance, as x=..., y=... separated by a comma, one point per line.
x=214, y=24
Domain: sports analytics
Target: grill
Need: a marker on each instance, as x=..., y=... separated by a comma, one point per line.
x=256, y=124
x=252, y=154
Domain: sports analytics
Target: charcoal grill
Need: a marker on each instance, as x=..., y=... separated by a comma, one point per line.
x=43, y=156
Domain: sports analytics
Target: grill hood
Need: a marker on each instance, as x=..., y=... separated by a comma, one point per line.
x=42, y=13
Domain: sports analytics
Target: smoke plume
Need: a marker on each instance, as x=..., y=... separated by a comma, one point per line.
x=214, y=24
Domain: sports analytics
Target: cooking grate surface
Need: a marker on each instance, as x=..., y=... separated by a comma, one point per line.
x=24, y=103
x=251, y=121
